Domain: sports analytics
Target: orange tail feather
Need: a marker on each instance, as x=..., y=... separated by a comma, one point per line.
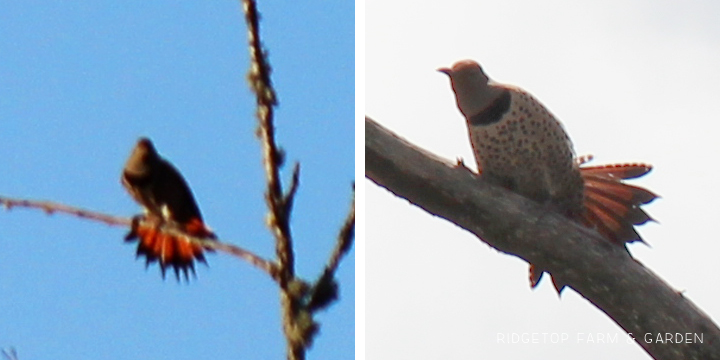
x=169, y=250
x=613, y=207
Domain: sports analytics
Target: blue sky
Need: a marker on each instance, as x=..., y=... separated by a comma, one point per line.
x=631, y=81
x=79, y=83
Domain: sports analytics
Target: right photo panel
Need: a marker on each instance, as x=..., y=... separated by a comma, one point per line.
x=540, y=179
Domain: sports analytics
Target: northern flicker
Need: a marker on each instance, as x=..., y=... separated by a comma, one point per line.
x=520, y=145
x=167, y=200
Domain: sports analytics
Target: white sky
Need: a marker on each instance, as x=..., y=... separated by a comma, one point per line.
x=632, y=81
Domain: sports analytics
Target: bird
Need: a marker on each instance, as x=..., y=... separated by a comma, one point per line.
x=520, y=145
x=168, y=202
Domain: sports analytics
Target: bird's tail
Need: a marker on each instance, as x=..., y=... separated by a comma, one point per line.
x=170, y=250
x=611, y=206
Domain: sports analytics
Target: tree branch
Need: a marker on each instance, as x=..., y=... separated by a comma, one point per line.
x=50, y=208
x=298, y=325
x=630, y=294
x=325, y=289
x=345, y=238
x=260, y=83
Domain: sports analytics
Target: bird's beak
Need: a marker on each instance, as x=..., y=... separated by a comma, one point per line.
x=446, y=71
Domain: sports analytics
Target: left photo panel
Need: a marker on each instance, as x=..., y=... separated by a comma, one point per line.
x=178, y=180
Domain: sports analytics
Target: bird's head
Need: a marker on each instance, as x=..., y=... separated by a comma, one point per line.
x=473, y=89
x=142, y=154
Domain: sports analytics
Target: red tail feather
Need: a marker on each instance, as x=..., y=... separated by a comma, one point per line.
x=613, y=207
x=175, y=251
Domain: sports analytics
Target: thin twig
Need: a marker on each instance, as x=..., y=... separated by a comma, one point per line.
x=345, y=238
x=325, y=289
x=50, y=208
x=255, y=260
x=289, y=198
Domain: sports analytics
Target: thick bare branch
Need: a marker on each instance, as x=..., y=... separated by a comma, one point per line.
x=634, y=297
